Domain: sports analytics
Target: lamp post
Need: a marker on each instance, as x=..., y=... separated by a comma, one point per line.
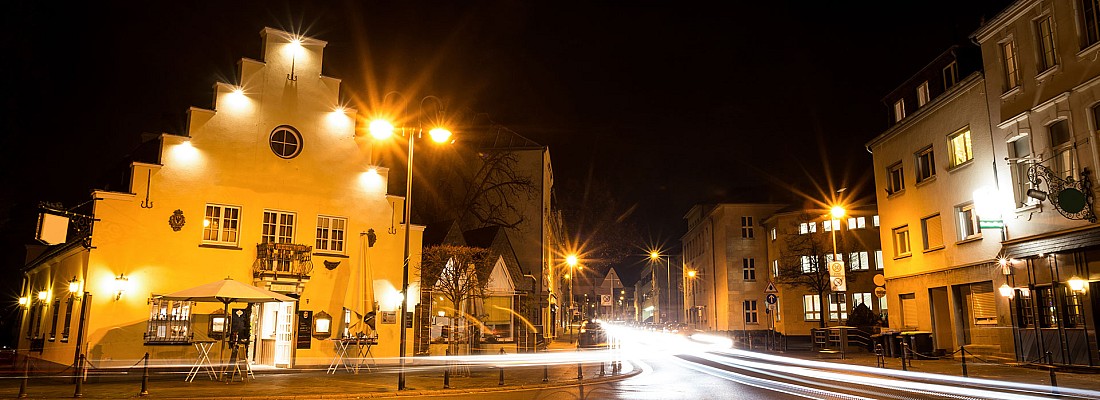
x=691, y=274
x=381, y=129
x=656, y=256
x=571, y=260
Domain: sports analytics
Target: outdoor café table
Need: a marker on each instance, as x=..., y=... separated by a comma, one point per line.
x=340, y=359
x=203, y=360
x=362, y=353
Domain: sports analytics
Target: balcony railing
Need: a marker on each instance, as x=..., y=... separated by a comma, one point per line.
x=282, y=260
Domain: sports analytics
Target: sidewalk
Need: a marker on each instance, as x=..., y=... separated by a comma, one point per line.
x=312, y=383
x=977, y=367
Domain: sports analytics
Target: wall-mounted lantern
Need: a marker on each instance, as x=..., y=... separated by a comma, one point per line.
x=43, y=295
x=74, y=286
x=120, y=285
x=322, y=325
x=1007, y=291
x=24, y=301
x=1076, y=284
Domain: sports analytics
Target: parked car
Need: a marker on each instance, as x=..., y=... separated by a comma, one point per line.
x=7, y=356
x=592, y=335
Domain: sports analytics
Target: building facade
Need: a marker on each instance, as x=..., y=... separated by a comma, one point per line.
x=726, y=251
x=274, y=187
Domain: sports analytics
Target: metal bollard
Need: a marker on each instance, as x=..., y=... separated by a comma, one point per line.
x=601, y=368
x=79, y=378
x=1053, y=378
x=145, y=377
x=579, y=376
x=26, y=376
x=545, y=373
x=962, y=350
x=904, y=354
x=501, y=381
x=447, y=372
x=880, y=358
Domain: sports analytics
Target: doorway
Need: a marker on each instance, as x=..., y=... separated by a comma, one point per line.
x=274, y=334
x=943, y=326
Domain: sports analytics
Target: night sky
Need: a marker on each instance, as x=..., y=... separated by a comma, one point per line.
x=667, y=103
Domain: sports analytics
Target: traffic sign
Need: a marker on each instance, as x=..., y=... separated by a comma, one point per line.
x=771, y=288
x=772, y=298
x=880, y=292
x=838, y=283
x=836, y=269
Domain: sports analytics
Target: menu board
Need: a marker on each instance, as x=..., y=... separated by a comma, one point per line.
x=305, y=329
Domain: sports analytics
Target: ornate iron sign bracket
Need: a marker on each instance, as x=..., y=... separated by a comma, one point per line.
x=1072, y=198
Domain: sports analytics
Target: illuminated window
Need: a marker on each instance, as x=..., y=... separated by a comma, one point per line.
x=899, y=110
x=278, y=227
x=926, y=164
x=1011, y=68
x=808, y=264
x=286, y=142
x=221, y=224
x=959, y=145
x=169, y=321
x=901, y=241
x=859, y=261
x=330, y=234
x=773, y=234
x=1047, y=55
x=775, y=268
x=878, y=259
x=857, y=223
x=967, y=221
x=811, y=307
x=862, y=298
x=895, y=179
x=1061, y=144
x=874, y=221
x=838, y=307
x=830, y=224
x=807, y=227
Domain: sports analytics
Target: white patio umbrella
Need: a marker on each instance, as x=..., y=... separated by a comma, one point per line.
x=226, y=291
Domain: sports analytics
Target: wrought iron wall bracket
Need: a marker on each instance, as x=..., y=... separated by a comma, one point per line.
x=1073, y=198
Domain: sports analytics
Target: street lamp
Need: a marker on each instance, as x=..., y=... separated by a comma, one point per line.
x=571, y=260
x=382, y=129
x=691, y=274
x=656, y=256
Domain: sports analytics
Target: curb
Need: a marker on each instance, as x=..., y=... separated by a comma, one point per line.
x=416, y=393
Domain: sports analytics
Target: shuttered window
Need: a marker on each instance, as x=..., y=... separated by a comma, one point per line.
x=909, y=311
x=984, y=303
x=932, y=232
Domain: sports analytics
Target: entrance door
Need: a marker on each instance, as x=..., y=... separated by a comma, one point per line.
x=943, y=332
x=284, y=334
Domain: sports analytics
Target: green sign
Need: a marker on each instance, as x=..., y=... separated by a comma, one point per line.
x=991, y=224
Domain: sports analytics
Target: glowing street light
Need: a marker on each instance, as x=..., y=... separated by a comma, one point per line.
x=381, y=130
x=656, y=256
x=571, y=261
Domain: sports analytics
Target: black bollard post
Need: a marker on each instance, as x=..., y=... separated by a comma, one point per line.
x=545, y=373
x=601, y=368
x=79, y=378
x=579, y=371
x=904, y=355
x=501, y=381
x=447, y=372
x=145, y=377
x=962, y=350
x=1053, y=378
x=26, y=376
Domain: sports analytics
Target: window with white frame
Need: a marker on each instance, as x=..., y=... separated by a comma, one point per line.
x=807, y=227
x=748, y=270
x=774, y=234
x=882, y=306
x=950, y=75
x=838, y=307
x=862, y=298
x=746, y=228
x=926, y=164
x=874, y=221
x=330, y=234
x=922, y=94
x=878, y=259
x=1020, y=150
x=899, y=110
x=857, y=223
x=220, y=225
x=751, y=315
x=808, y=265
x=895, y=178
x=830, y=224
x=931, y=232
x=278, y=227
x=775, y=268
x=1061, y=144
x=858, y=261
x=901, y=241
x=959, y=145
x=1048, y=58
x=811, y=307
x=1011, y=67
x=967, y=221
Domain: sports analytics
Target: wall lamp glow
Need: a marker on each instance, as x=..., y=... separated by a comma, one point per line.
x=43, y=295
x=24, y=301
x=74, y=285
x=120, y=286
x=1007, y=291
x=1076, y=284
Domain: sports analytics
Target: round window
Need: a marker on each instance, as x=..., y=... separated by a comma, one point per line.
x=286, y=142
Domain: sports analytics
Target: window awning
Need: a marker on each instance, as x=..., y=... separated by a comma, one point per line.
x=1056, y=242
